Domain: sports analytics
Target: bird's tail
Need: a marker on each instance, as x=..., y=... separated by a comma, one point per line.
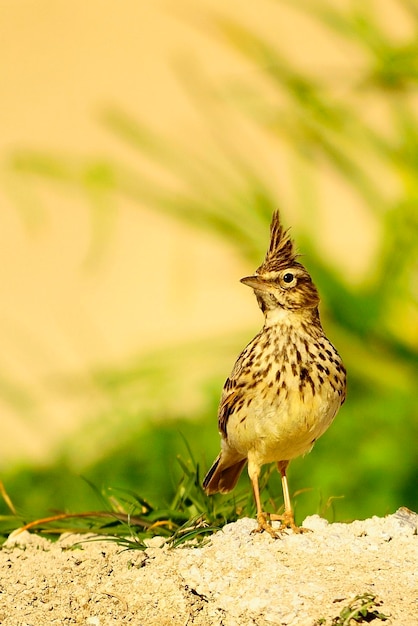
x=221, y=478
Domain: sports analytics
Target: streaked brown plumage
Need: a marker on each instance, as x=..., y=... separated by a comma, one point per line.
x=287, y=384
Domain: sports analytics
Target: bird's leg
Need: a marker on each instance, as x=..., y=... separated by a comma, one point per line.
x=263, y=524
x=287, y=518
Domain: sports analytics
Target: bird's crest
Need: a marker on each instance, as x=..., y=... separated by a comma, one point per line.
x=281, y=252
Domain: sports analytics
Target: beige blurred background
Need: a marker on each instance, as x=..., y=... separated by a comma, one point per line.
x=155, y=282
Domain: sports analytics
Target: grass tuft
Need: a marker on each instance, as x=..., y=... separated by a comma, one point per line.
x=130, y=520
x=364, y=608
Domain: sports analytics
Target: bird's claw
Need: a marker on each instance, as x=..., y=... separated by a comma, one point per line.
x=288, y=521
x=264, y=525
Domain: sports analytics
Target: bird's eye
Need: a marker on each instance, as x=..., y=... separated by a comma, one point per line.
x=288, y=277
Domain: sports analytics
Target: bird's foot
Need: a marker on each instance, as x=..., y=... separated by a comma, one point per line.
x=264, y=525
x=288, y=521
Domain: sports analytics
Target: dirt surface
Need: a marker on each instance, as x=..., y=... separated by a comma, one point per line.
x=236, y=578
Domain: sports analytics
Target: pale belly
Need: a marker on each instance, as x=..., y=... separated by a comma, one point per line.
x=274, y=428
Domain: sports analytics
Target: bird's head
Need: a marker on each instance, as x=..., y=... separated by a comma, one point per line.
x=281, y=281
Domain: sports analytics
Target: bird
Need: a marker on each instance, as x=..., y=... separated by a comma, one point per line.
x=286, y=386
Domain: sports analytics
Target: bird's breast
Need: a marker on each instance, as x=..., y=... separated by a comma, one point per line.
x=290, y=389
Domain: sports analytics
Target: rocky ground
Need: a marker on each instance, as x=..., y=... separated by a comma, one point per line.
x=237, y=578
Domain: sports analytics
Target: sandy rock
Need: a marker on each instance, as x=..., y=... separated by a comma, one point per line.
x=237, y=578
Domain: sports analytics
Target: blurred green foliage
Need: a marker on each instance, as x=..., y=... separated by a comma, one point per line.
x=369, y=456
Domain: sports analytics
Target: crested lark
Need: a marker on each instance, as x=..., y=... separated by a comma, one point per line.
x=286, y=386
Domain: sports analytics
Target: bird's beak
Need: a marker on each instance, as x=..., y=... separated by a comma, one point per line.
x=256, y=282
